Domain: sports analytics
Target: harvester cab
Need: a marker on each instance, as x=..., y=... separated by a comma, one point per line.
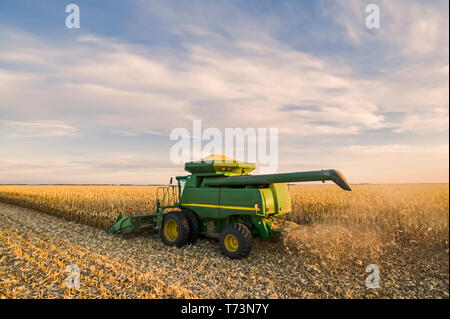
x=221, y=199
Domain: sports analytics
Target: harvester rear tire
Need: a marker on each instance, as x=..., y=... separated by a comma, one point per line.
x=235, y=241
x=175, y=229
x=194, y=226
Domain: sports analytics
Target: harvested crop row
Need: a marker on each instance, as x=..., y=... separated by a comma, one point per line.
x=40, y=269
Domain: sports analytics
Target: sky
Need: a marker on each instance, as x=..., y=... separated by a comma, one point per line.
x=97, y=104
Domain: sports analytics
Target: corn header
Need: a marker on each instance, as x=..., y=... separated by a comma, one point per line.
x=220, y=199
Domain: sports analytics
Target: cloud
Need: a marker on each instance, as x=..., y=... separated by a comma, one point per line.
x=85, y=169
x=38, y=129
x=413, y=29
x=134, y=132
x=257, y=78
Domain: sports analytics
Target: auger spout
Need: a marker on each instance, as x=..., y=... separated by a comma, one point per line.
x=243, y=180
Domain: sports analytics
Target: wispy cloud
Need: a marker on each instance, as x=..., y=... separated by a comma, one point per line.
x=37, y=129
x=260, y=78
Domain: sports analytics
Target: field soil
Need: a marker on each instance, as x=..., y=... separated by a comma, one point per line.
x=36, y=248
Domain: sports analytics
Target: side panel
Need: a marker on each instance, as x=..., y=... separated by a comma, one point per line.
x=268, y=206
x=239, y=201
x=281, y=197
x=203, y=201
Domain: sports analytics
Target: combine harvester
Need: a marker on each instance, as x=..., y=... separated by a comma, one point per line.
x=220, y=199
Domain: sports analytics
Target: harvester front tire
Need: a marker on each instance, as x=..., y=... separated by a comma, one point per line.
x=175, y=229
x=194, y=226
x=235, y=241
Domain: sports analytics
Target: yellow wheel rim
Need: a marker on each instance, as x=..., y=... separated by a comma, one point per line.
x=231, y=243
x=171, y=230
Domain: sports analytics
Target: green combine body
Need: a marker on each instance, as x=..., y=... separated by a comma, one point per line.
x=220, y=199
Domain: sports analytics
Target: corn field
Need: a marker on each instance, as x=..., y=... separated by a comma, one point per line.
x=398, y=211
x=402, y=228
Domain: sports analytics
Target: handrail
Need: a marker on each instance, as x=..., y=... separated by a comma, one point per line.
x=166, y=195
